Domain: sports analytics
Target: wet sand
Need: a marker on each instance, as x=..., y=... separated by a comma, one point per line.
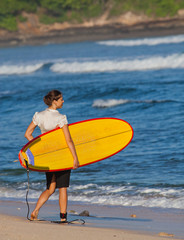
x=104, y=222
x=14, y=228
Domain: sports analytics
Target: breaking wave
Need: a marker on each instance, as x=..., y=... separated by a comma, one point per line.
x=153, y=63
x=128, y=196
x=144, y=41
x=101, y=103
x=19, y=69
x=173, y=61
x=110, y=195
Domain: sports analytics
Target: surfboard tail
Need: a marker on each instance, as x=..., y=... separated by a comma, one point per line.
x=21, y=159
x=29, y=160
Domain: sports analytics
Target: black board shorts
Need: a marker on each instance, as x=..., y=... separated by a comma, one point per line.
x=62, y=178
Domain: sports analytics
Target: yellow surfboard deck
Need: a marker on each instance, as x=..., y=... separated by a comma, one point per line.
x=94, y=140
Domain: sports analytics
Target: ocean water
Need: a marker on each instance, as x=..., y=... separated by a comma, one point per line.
x=138, y=80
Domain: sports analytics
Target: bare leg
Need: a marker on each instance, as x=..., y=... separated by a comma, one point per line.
x=63, y=200
x=43, y=198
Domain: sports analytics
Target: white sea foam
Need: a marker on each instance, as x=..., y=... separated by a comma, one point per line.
x=130, y=196
x=100, y=103
x=145, y=197
x=19, y=69
x=106, y=103
x=87, y=186
x=173, y=61
x=130, y=201
x=6, y=93
x=144, y=41
x=109, y=195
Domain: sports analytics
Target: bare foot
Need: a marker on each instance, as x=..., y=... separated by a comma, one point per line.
x=34, y=215
x=63, y=220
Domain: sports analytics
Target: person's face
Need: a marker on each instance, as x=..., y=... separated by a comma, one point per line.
x=59, y=102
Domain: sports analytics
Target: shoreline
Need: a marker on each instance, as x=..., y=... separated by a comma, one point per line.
x=15, y=228
x=95, y=33
x=135, y=220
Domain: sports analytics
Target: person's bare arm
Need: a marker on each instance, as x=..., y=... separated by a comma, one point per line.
x=71, y=146
x=29, y=131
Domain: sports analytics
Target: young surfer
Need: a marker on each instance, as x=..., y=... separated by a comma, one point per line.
x=48, y=120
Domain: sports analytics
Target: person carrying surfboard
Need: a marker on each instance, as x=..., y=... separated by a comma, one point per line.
x=47, y=120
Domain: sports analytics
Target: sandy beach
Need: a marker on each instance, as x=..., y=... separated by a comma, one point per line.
x=103, y=223
x=14, y=228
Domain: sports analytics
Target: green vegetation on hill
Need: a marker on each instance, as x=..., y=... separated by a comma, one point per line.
x=10, y=10
x=151, y=8
x=50, y=11
x=69, y=10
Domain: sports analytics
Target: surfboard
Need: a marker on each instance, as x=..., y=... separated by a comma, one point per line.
x=94, y=140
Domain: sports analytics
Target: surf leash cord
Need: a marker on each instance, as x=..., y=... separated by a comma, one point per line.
x=28, y=208
x=27, y=192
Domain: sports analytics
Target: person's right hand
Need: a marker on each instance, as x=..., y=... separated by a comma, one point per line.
x=75, y=164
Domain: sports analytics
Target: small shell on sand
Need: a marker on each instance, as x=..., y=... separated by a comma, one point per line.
x=73, y=211
x=163, y=234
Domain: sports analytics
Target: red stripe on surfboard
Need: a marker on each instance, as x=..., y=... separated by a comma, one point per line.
x=22, y=164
